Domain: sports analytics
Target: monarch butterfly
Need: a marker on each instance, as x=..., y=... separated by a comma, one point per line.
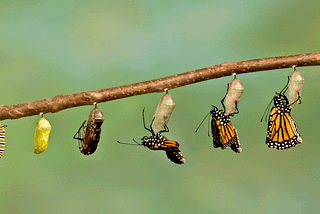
x=89, y=132
x=223, y=133
x=163, y=112
x=159, y=142
x=41, y=135
x=2, y=139
x=282, y=132
x=232, y=97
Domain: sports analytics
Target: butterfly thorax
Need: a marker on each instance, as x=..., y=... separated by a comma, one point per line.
x=281, y=103
x=153, y=142
x=218, y=115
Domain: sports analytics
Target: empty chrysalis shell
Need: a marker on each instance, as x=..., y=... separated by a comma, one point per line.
x=232, y=98
x=41, y=135
x=295, y=84
x=162, y=114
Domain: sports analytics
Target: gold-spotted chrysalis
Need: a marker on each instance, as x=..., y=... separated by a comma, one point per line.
x=41, y=135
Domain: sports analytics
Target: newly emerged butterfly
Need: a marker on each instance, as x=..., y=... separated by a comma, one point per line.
x=282, y=132
x=223, y=133
x=2, y=139
x=89, y=132
x=159, y=142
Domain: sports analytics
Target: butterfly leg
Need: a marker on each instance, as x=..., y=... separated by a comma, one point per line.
x=225, y=97
x=166, y=129
x=144, y=123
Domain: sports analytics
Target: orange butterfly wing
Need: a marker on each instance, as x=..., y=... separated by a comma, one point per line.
x=282, y=132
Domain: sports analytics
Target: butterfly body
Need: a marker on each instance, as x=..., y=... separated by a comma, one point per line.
x=223, y=133
x=282, y=132
x=159, y=142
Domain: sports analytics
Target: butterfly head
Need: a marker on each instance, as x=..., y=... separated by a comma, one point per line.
x=215, y=113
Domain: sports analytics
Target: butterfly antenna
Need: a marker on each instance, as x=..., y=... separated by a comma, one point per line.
x=264, y=114
x=202, y=121
x=131, y=144
x=285, y=88
x=144, y=123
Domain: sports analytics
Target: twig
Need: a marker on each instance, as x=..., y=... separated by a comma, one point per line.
x=65, y=101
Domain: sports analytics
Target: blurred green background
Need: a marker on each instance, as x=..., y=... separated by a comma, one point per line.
x=62, y=47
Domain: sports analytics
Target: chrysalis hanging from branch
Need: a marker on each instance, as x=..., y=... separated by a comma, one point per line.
x=89, y=132
x=295, y=84
x=232, y=97
x=41, y=135
x=163, y=112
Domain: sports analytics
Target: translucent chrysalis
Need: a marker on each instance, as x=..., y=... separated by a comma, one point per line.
x=2, y=139
x=295, y=84
x=41, y=135
x=89, y=132
x=232, y=97
x=163, y=113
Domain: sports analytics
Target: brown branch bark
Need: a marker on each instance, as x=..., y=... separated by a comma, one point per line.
x=64, y=101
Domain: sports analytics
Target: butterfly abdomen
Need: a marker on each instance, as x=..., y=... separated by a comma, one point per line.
x=174, y=154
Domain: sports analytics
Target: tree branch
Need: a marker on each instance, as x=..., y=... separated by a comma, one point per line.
x=65, y=101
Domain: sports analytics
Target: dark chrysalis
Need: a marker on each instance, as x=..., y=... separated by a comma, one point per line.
x=89, y=132
x=159, y=142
